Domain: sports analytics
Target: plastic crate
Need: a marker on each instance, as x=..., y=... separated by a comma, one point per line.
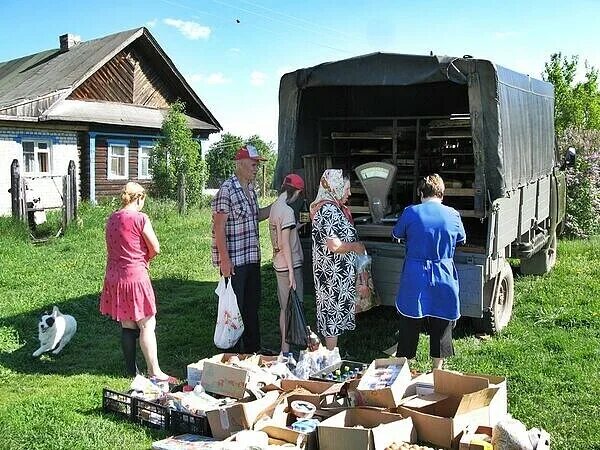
x=321, y=375
x=150, y=414
x=117, y=403
x=181, y=422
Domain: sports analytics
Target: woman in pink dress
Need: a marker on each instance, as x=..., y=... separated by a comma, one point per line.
x=127, y=295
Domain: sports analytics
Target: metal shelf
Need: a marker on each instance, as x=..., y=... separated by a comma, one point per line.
x=459, y=192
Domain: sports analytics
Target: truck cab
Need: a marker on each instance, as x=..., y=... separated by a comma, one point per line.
x=488, y=131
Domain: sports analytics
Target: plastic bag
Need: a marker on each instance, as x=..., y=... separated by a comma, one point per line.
x=366, y=298
x=296, y=332
x=229, y=327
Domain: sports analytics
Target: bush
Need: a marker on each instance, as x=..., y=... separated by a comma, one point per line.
x=583, y=183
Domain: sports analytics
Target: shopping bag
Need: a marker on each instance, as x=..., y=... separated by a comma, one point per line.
x=366, y=298
x=229, y=327
x=296, y=332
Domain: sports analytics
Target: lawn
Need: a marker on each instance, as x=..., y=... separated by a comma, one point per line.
x=550, y=351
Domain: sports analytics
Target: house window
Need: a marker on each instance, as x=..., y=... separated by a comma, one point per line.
x=144, y=171
x=118, y=167
x=36, y=156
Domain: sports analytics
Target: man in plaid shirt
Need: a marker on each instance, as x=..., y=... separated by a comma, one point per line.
x=235, y=241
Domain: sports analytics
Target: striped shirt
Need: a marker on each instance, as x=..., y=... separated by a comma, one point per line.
x=241, y=227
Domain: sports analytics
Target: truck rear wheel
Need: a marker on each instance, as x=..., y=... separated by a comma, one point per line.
x=543, y=261
x=501, y=303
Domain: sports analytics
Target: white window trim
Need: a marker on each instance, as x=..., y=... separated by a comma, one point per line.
x=110, y=176
x=140, y=176
x=35, y=142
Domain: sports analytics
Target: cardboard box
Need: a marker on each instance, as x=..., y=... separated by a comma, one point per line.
x=243, y=415
x=458, y=401
x=378, y=430
x=476, y=438
x=319, y=393
x=279, y=433
x=388, y=397
x=229, y=380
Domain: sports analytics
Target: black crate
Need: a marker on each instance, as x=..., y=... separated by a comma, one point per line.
x=321, y=375
x=181, y=422
x=150, y=414
x=117, y=403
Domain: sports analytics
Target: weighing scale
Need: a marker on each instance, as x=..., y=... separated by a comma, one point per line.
x=377, y=179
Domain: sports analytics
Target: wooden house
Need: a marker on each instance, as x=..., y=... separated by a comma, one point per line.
x=100, y=103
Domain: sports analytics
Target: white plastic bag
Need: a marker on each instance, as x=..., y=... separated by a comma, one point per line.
x=229, y=327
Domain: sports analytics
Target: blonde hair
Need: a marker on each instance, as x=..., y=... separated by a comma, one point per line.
x=431, y=186
x=131, y=192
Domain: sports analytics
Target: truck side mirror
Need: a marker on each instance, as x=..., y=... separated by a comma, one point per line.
x=570, y=157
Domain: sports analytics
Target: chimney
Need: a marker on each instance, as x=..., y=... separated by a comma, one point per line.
x=68, y=41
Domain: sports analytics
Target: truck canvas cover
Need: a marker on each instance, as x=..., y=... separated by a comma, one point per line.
x=511, y=113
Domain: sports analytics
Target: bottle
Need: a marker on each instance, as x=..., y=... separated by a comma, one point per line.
x=304, y=219
x=291, y=362
x=313, y=340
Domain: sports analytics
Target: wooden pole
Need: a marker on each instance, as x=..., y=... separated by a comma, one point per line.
x=15, y=189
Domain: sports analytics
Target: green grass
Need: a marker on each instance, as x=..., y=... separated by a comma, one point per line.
x=549, y=352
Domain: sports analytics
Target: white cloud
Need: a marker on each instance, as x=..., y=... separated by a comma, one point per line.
x=191, y=30
x=216, y=78
x=151, y=23
x=257, y=78
x=500, y=35
x=212, y=79
x=234, y=50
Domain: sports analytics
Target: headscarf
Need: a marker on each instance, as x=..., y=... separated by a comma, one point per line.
x=331, y=190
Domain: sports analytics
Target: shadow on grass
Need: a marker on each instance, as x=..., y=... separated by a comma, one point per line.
x=185, y=325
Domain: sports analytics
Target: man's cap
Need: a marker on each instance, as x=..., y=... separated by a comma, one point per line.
x=248, y=152
x=294, y=181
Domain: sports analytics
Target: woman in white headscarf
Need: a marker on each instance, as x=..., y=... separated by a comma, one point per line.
x=334, y=247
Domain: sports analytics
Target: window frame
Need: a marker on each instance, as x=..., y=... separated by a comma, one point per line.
x=144, y=145
x=109, y=155
x=36, y=152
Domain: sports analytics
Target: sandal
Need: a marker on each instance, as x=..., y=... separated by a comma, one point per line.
x=169, y=379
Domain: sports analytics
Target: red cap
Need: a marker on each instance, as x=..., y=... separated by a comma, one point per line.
x=294, y=181
x=248, y=152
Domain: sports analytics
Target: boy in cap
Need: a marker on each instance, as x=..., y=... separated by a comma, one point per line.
x=236, y=244
x=287, y=251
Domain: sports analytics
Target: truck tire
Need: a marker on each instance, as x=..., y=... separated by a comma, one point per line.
x=501, y=303
x=543, y=261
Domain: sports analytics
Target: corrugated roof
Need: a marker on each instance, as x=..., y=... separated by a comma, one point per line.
x=116, y=114
x=40, y=74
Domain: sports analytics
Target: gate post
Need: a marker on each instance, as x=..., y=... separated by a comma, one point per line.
x=17, y=192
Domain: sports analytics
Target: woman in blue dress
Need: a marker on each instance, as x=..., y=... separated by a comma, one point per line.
x=429, y=282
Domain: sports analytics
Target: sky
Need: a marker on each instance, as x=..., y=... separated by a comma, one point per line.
x=234, y=52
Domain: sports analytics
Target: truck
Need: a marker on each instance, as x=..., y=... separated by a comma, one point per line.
x=487, y=130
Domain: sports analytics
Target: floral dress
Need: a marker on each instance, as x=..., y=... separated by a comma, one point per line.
x=334, y=273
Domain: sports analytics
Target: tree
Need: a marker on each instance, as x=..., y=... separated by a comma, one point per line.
x=577, y=123
x=221, y=164
x=176, y=160
x=264, y=178
x=220, y=159
x=576, y=104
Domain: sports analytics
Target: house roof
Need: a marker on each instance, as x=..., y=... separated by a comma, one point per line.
x=117, y=114
x=55, y=72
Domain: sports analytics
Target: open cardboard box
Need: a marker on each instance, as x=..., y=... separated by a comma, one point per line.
x=241, y=415
x=388, y=397
x=277, y=429
x=376, y=430
x=218, y=377
x=319, y=393
x=458, y=401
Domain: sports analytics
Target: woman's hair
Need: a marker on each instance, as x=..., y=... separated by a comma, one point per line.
x=131, y=192
x=289, y=190
x=431, y=186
